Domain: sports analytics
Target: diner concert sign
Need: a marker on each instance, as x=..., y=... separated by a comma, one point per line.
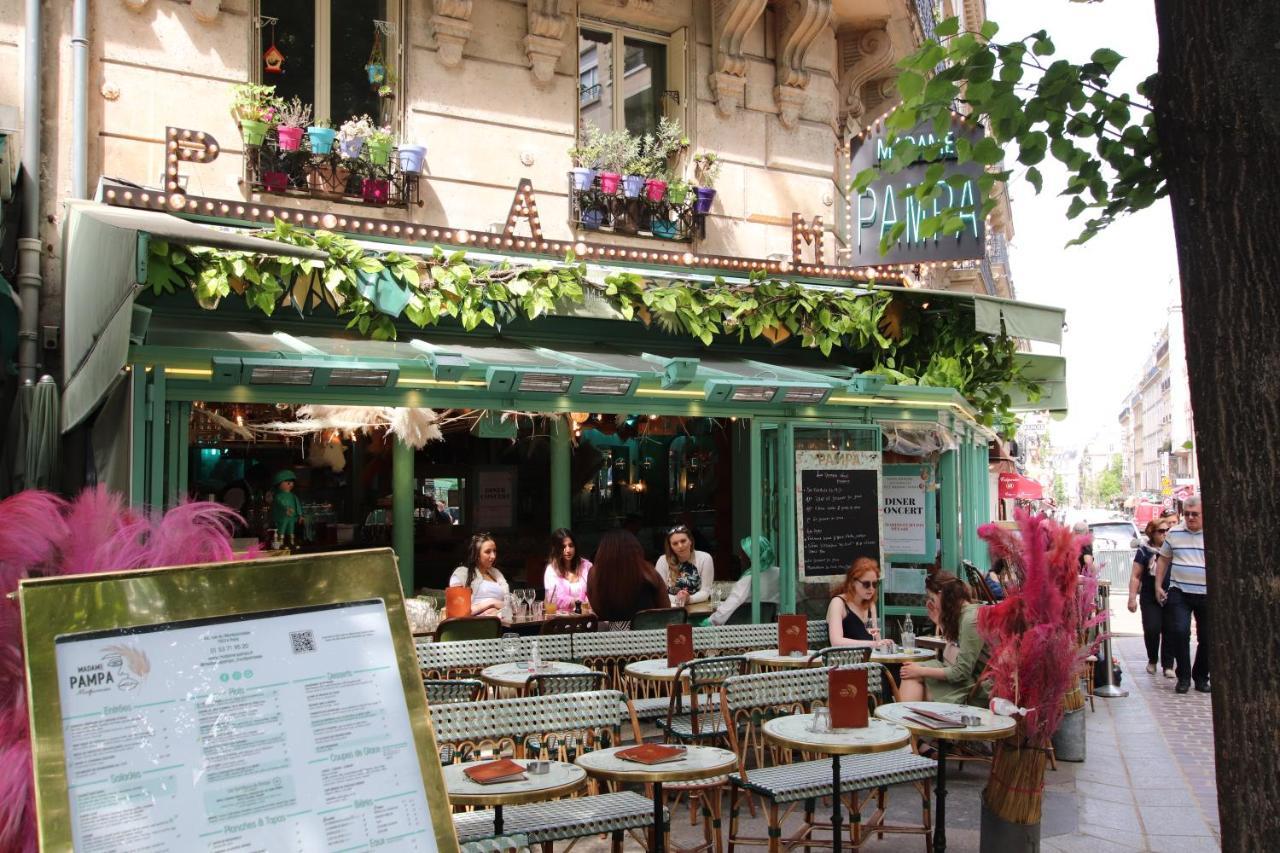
x=837, y=510
x=264, y=704
x=908, y=512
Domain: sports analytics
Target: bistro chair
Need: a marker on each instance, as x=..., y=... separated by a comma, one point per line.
x=657, y=618
x=549, y=684
x=838, y=656
x=468, y=628
x=978, y=584
x=442, y=691
x=742, y=616
x=584, y=624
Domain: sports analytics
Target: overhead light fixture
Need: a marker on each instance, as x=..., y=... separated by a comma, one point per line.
x=809, y=395
x=679, y=372
x=312, y=372
x=513, y=380
x=445, y=365
x=544, y=383
x=280, y=374
x=606, y=386
x=360, y=377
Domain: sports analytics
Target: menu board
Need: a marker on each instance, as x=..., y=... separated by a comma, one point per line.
x=837, y=510
x=266, y=731
x=908, y=512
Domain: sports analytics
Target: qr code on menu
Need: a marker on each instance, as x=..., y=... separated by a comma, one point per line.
x=303, y=641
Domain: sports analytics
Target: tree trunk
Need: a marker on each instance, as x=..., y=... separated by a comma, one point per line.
x=1218, y=117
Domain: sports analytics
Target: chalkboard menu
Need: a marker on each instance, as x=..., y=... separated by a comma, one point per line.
x=838, y=510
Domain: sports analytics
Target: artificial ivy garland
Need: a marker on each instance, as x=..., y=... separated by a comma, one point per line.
x=370, y=290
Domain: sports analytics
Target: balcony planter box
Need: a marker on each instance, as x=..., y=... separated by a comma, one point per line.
x=655, y=190
x=583, y=178
x=379, y=153
x=275, y=182
x=375, y=190
x=290, y=138
x=705, y=197
x=411, y=157
x=632, y=186
x=351, y=148
x=662, y=228
x=327, y=179
x=253, y=132
x=609, y=182
x=321, y=139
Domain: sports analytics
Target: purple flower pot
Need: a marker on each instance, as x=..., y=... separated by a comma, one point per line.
x=705, y=196
x=351, y=148
x=275, y=182
x=411, y=157
x=632, y=186
x=375, y=190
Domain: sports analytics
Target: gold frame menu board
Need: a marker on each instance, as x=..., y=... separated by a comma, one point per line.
x=270, y=704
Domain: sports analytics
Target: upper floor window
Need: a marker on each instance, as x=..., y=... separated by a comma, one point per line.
x=628, y=80
x=327, y=45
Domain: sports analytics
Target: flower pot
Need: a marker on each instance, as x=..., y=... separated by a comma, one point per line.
x=677, y=195
x=655, y=190
x=632, y=186
x=375, y=190
x=290, y=138
x=609, y=182
x=327, y=179
x=1003, y=836
x=253, y=132
x=1069, y=739
x=377, y=72
x=321, y=139
x=275, y=182
x=705, y=197
x=411, y=157
x=583, y=178
x=351, y=148
x=379, y=153
x=592, y=219
x=662, y=228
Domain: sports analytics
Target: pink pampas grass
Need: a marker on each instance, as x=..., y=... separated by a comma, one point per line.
x=43, y=535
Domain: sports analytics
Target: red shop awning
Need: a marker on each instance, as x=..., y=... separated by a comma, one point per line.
x=1018, y=486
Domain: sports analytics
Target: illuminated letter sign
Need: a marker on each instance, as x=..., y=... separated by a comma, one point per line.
x=888, y=201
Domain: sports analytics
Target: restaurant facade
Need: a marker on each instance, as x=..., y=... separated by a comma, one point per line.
x=485, y=339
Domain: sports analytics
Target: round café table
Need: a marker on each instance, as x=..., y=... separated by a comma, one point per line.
x=655, y=669
x=771, y=659
x=515, y=676
x=992, y=727
x=795, y=732
x=901, y=655
x=562, y=779
x=699, y=762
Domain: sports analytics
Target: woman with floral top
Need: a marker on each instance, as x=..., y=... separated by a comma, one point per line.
x=689, y=574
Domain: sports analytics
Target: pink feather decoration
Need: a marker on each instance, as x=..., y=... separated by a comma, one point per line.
x=1035, y=632
x=43, y=535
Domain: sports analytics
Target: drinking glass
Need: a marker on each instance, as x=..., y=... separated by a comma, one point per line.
x=821, y=720
x=511, y=646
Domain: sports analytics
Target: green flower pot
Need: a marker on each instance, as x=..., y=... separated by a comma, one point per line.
x=253, y=132
x=677, y=195
x=379, y=152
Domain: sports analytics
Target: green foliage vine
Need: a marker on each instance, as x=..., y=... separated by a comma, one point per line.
x=905, y=344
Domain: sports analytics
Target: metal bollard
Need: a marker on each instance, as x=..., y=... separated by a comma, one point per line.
x=1109, y=690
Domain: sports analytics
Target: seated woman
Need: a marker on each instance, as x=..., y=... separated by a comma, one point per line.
x=565, y=580
x=853, y=607
x=689, y=574
x=480, y=572
x=949, y=606
x=740, y=595
x=621, y=582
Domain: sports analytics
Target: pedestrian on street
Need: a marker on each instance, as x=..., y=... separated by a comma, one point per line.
x=1182, y=561
x=1142, y=588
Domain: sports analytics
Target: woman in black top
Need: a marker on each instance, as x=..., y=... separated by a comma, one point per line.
x=1142, y=588
x=853, y=607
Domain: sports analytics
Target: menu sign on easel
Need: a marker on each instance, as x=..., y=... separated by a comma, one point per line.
x=837, y=510
x=286, y=728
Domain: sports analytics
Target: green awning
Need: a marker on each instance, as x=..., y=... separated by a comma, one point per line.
x=1018, y=319
x=1050, y=373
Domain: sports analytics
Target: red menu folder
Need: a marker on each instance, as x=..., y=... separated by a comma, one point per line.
x=503, y=770
x=793, y=634
x=651, y=753
x=679, y=644
x=847, y=698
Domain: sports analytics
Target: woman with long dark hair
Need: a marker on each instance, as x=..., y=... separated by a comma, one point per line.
x=949, y=606
x=479, y=570
x=1142, y=588
x=565, y=580
x=622, y=582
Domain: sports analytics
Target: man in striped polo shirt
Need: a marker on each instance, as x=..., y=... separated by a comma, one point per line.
x=1182, y=559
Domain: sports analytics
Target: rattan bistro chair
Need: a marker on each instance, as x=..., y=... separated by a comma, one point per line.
x=549, y=684
x=468, y=628
x=442, y=691
x=838, y=656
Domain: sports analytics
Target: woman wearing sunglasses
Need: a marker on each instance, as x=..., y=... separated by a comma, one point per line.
x=1142, y=589
x=851, y=615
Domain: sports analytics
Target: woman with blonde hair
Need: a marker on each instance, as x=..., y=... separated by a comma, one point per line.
x=851, y=615
x=689, y=573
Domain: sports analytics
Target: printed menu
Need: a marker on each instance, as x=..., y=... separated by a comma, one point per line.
x=282, y=731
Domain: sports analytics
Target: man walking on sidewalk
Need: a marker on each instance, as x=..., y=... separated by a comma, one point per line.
x=1182, y=559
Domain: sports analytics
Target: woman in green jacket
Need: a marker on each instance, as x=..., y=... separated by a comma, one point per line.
x=949, y=605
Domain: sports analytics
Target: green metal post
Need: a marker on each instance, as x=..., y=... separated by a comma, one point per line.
x=402, y=501
x=982, y=469
x=561, y=461
x=172, y=451
x=156, y=420
x=184, y=452
x=754, y=485
x=787, y=580
x=949, y=509
x=138, y=445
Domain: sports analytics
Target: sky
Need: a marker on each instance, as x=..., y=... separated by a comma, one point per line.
x=1118, y=287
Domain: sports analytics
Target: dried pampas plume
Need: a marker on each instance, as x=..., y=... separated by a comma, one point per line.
x=415, y=427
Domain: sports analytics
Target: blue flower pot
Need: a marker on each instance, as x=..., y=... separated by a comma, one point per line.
x=411, y=157
x=664, y=229
x=321, y=139
x=377, y=72
x=583, y=178
x=351, y=148
x=705, y=197
x=592, y=219
x=632, y=186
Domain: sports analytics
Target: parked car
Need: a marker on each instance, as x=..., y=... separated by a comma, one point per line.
x=1114, y=535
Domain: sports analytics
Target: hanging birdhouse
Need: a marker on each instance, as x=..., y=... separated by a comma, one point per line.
x=273, y=60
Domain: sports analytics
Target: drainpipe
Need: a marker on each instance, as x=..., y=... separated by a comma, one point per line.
x=80, y=99
x=29, y=278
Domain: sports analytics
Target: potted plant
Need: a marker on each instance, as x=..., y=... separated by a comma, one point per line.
x=706, y=169
x=586, y=158
x=378, y=145
x=678, y=190
x=661, y=148
x=617, y=149
x=255, y=109
x=321, y=135
x=637, y=169
x=411, y=158
x=352, y=136
x=292, y=117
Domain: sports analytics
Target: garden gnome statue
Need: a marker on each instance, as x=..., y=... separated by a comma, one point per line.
x=286, y=509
